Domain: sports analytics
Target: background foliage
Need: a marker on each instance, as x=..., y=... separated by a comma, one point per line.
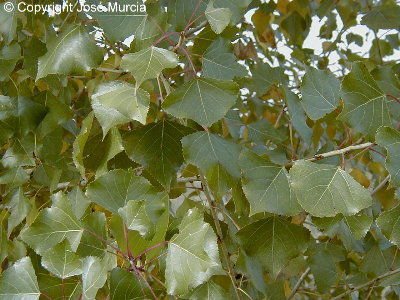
x=200, y=162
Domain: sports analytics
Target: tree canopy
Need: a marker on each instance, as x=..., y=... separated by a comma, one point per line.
x=200, y=149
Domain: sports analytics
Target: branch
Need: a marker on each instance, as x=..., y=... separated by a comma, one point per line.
x=195, y=29
x=381, y=185
x=373, y=281
x=335, y=152
x=393, y=97
x=298, y=283
x=225, y=252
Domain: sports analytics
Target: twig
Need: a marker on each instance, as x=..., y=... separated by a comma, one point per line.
x=298, y=283
x=195, y=29
x=335, y=152
x=150, y=249
x=381, y=185
x=225, y=252
x=110, y=70
x=188, y=179
x=393, y=97
x=373, y=281
x=107, y=242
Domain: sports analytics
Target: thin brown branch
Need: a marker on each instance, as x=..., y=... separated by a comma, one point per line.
x=107, y=242
x=393, y=97
x=151, y=249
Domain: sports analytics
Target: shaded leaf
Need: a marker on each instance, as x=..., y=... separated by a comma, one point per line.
x=365, y=105
x=390, y=139
x=320, y=91
x=267, y=186
x=389, y=223
x=209, y=291
x=117, y=25
x=158, y=148
x=220, y=63
x=124, y=285
x=382, y=17
x=273, y=242
x=8, y=23
x=296, y=112
x=220, y=165
x=80, y=142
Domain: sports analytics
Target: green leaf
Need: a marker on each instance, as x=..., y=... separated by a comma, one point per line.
x=273, y=242
x=262, y=131
x=20, y=153
x=118, y=24
x=267, y=186
x=143, y=215
x=218, y=18
x=59, y=289
x=180, y=13
x=61, y=261
x=322, y=259
x=23, y=115
x=389, y=223
x=135, y=217
x=117, y=103
x=114, y=189
x=264, y=77
x=148, y=63
x=325, y=190
x=14, y=177
x=158, y=148
x=383, y=17
x=209, y=291
x=220, y=63
x=236, y=6
x=19, y=281
x=365, y=105
x=72, y=53
x=297, y=117
x=320, y=90
x=94, y=275
x=149, y=29
x=220, y=165
x=8, y=23
x=192, y=256
x=53, y=225
x=9, y=56
x=20, y=208
x=124, y=285
x=90, y=244
x=79, y=202
x=80, y=142
x=390, y=139
x=203, y=100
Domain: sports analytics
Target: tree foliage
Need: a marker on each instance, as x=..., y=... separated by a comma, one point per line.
x=182, y=154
